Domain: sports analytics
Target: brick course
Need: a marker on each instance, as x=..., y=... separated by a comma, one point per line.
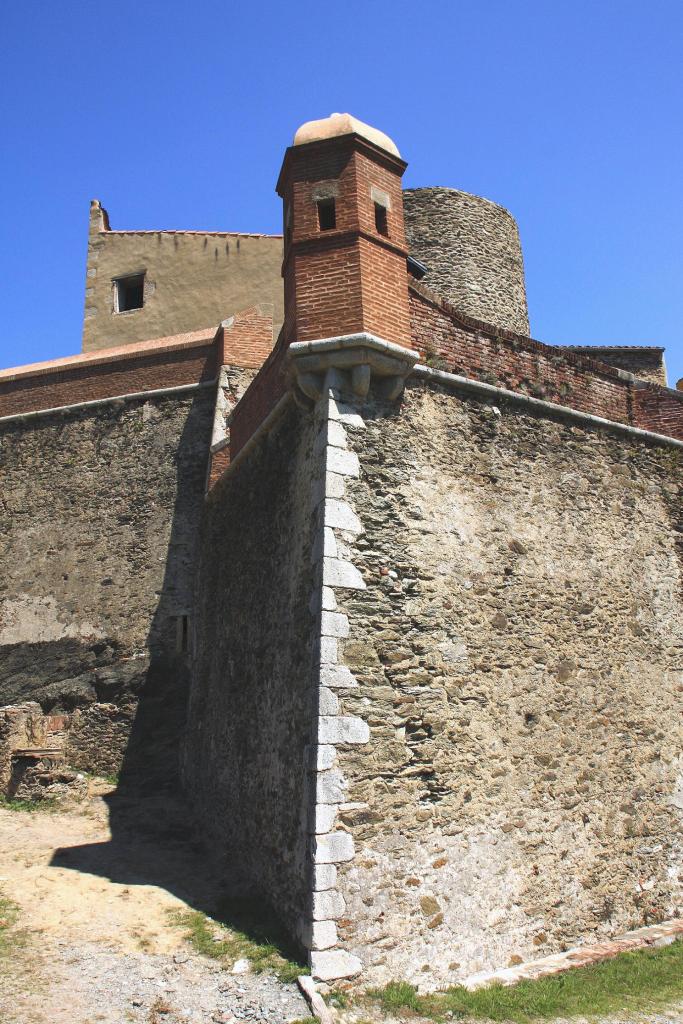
x=70, y=384
x=148, y=366
x=460, y=344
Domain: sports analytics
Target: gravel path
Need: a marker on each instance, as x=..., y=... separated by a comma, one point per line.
x=90, y=983
x=95, y=942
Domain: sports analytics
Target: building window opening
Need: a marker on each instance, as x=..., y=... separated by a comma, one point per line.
x=182, y=637
x=130, y=293
x=327, y=214
x=381, y=223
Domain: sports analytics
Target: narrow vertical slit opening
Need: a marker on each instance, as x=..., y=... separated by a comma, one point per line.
x=327, y=214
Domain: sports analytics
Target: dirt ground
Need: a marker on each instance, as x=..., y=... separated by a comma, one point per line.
x=93, y=941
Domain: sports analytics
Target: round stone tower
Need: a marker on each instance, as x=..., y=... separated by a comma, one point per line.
x=472, y=252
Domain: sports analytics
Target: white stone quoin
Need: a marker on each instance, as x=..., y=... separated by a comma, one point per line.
x=336, y=520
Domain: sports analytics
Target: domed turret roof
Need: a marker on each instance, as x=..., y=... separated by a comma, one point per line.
x=343, y=124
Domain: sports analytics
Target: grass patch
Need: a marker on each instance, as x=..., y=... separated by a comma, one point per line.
x=637, y=982
x=10, y=939
x=245, y=932
x=48, y=804
x=338, y=999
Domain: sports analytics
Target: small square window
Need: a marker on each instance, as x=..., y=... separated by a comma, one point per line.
x=327, y=214
x=381, y=224
x=130, y=293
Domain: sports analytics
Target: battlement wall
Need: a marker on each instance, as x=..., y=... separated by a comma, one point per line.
x=168, y=363
x=452, y=341
x=243, y=341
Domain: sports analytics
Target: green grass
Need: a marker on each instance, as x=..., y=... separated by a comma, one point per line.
x=338, y=999
x=10, y=939
x=246, y=933
x=645, y=980
x=48, y=804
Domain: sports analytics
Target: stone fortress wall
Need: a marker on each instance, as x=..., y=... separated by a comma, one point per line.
x=98, y=524
x=517, y=651
x=436, y=634
x=472, y=252
x=249, y=737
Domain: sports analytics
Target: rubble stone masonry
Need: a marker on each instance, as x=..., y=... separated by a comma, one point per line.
x=99, y=514
x=472, y=252
x=250, y=725
x=518, y=650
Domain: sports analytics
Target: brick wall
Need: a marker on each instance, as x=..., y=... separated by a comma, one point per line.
x=67, y=382
x=659, y=410
x=458, y=343
x=645, y=362
x=259, y=400
x=246, y=339
x=350, y=278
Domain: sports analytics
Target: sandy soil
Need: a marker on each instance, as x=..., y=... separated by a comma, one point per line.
x=94, y=886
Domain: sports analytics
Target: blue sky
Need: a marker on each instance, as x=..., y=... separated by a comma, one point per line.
x=176, y=115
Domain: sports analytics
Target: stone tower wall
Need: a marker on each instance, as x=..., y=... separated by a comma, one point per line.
x=472, y=252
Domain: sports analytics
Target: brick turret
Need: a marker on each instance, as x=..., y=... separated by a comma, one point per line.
x=345, y=248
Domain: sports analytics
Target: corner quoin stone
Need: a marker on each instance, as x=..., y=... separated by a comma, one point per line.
x=335, y=964
x=333, y=848
x=341, y=729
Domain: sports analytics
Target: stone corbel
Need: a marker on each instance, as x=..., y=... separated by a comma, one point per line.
x=363, y=358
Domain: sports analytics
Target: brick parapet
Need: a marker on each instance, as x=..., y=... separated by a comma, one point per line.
x=245, y=341
x=658, y=409
x=72, y=384
x=267, y=388
x=471, y=348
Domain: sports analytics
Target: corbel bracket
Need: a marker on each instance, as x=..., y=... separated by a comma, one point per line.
x=363, y=357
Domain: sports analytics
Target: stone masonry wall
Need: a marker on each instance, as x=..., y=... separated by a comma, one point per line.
x=518, y=650
x=472, y=252
x=250, y=714
x=99, y=511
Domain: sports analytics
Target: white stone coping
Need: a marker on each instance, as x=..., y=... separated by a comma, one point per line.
x=492, y=391
x=263, y=428
x=350, y=341
x=129, y=397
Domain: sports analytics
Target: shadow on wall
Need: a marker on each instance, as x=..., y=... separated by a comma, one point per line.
x=153, y=841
